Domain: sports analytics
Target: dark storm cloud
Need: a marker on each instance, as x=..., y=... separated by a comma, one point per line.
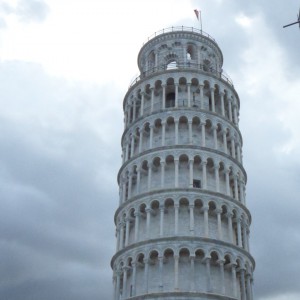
x=265, y=65
x=57, y=198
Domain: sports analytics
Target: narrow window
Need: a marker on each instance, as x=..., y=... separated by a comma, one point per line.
x=197, y=183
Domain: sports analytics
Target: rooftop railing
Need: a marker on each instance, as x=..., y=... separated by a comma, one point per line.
x=179, y=28
x=181, y=67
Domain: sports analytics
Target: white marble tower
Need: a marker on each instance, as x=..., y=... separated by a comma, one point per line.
x=182, y=224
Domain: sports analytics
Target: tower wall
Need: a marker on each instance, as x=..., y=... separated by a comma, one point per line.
x=182, y=224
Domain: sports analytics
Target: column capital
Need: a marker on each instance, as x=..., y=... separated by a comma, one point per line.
x=229, y=215
x=218, y=210
x=146, y=261
x=203, y=162
x=205, y=207
x=217, y=166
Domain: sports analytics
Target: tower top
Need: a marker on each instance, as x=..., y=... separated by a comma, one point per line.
x=180, y=48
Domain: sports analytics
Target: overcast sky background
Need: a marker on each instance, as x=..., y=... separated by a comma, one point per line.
x=65, y=67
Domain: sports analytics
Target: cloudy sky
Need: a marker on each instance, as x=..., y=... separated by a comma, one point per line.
x=64, y=69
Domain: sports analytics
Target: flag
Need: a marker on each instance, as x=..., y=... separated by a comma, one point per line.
x=197, y=13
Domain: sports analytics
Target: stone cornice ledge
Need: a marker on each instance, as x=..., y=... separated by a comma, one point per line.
x=183, y=296
x=181, y=239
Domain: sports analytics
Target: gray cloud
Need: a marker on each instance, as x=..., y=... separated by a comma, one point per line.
x=32, y=10
x=60, y=154
x=56, y=194
x=25, y=10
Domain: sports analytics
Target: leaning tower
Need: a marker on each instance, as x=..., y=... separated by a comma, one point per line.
x=182, y=224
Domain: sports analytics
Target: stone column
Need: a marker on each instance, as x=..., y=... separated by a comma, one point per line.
x=161, y=284
x=236, y=193
x=149, y=177
x=163, y=137
x=212, y=95
x=222, y=104
x=217, y=177
x=224, y=140
x=176, y=269
x=192, y=277
x=146, y=273
x=163, y=96
x=191, y=172
x=127, y=150
x=214, y=128
x=189, y=94
x=238, y=148
x=247, y=238
x=190, y=132
x=244, y=227
x=243, y=288
x=129, y=184
x=121, y=236
x=221, y=263
x=203, y=133
x=124, y=293
x=176, y=131
x=201, y=96
x=123, y=154
x=138, y=180
x=127, y=227
x=123, y=190
x=133, y=279
x=141, y=140
x=232, y=146
x=134, y=110
x=205, y=214
x=151, y=136
x=152, y=99
x=162, y=167
x=227, y=171
x=132, y=146
x=229, y=109
x=219, y=221
x=136, y=226
x=176, y=162
x=239, y=232
x=142, y=103
x=191, y=207
x=161, y=221
x=242, y=196
x=249, y=286
x=208, y=276
x=148, y=221
x=176, y=95
x=176, y=208
x=204, y=175
x=118, y=236
x=117, y=292
x=233, y=276
x=230, y=228
x=235, y=115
